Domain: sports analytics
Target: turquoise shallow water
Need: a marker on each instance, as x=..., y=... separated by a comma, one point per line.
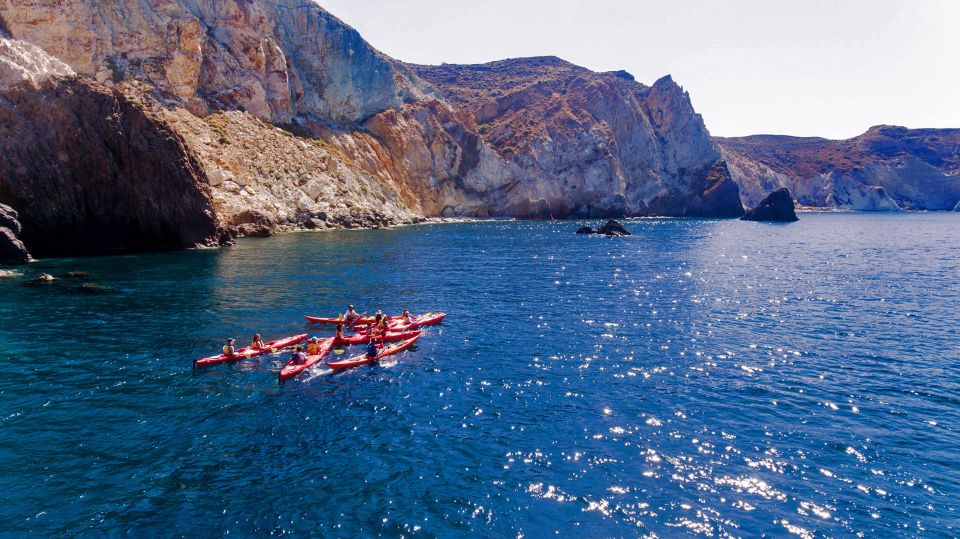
x=701, y=377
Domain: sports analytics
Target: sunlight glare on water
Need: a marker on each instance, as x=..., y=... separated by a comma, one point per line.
x=700, y=377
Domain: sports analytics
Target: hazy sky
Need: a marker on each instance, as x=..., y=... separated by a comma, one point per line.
x=805, y=67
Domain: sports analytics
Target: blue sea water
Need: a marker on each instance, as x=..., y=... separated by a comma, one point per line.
x=702, y=377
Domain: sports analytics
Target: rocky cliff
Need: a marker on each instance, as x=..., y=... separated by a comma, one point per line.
x=275, y=115
x=887, y=168
x=89, y=170
x=575, y=142
x=274, y=59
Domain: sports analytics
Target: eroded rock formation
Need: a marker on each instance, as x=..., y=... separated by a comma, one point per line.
x=272, y=115
x=12, y=250
x=575, y=142
x=777, y=207
x=887, y=168
x=89, y=170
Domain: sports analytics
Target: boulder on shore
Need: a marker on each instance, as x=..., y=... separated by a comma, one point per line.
x=611, y=228
x=778, y=207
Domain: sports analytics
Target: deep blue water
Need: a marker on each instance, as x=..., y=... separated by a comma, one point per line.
x=701, y=377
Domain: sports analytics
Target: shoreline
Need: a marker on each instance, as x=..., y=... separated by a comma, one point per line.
x=10, y=270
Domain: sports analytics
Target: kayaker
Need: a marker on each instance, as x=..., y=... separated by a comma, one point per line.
x=376, y=327
x=339, y=336
x=298, y=357
x=351, y=314
x=228, y=349
x=314, y=347
x=406, y=317
x=372, y=349
x=382, y=325
x=257, y=343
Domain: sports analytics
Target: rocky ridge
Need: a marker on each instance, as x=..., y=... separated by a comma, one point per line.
x=576, y=142
x=888, y=168
x=276, y=115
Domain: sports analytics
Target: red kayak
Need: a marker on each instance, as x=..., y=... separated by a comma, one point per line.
x=429, y=319
x=247, y=353
x=361, y=320
x=364, y=359
x=390, y=336
x=290, y=370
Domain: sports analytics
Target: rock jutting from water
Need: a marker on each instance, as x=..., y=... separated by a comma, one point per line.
x=610, y=228
x=777, y=207
x=43, y=278
x=12, y=250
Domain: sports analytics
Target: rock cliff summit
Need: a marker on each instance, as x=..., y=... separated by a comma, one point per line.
x=274, y=115
x=182, y=123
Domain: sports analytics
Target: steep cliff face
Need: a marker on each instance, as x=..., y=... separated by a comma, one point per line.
x=90, y=171
x=887, y=168
x=276, y=60
x=575, y=142
x=229, y=78
x=278, y=115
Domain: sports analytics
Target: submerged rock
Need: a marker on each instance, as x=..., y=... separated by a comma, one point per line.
x=777, y=207
x=43, y=278
x=77, y=274
x=586, y=230
x=92, y=288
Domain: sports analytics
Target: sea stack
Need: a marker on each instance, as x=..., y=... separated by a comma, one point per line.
x=776, y=208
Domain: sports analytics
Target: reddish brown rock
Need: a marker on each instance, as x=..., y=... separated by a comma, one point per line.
x=90, y=171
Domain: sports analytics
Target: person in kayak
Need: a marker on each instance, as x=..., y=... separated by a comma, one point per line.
x=257, y=343
x=228, y=349
x=339, y=335
x=298, y=357
x=314, y=347
x=372, y=349
x=351, y=314
x=383, y=325
x=406, y=318
x=376, y=327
